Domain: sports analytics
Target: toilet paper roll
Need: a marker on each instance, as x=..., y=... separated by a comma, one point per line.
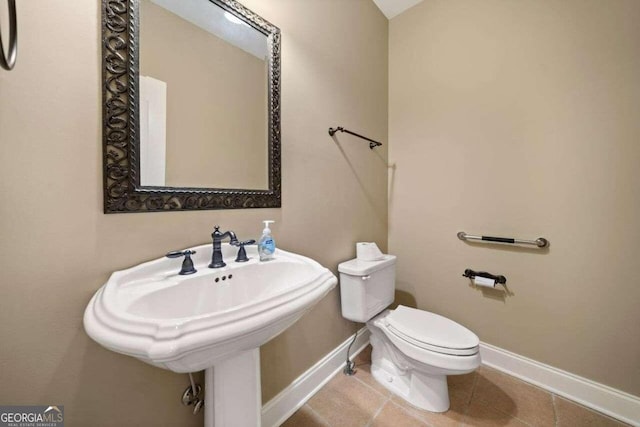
x=483, y=281
x=368, y=251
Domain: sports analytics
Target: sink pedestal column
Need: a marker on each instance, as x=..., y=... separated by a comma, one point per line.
x=232, y=391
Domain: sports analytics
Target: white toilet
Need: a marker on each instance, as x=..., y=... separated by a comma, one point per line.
x=413, y=350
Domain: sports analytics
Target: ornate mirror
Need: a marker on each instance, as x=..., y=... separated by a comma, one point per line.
x=191, y=96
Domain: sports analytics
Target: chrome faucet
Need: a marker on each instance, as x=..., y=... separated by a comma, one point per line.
x=218, y=237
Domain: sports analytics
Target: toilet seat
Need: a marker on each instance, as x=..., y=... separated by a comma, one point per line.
x=432, y=332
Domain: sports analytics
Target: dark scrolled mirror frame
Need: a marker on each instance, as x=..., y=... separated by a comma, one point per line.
x=121, y=138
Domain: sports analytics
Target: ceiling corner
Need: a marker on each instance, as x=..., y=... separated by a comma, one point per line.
x=391, y=8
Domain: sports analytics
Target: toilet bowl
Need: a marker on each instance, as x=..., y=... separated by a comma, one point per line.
x=413, y=350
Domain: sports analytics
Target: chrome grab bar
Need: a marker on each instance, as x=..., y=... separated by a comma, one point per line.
x=540, y=242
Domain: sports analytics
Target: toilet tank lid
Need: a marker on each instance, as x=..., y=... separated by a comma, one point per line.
x=358, y=267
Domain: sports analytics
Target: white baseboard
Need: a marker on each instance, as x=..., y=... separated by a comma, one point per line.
x=615, y=403
x=289, y=400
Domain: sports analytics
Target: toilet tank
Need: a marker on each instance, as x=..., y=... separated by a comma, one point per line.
x=366, y=287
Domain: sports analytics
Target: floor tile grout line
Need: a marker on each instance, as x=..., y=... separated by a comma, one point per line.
x=406, y=410
x=555, y=410
x=473, y=389
x=518, y=380
x=473, y=392
x=505, y=413
x=318, y=415
x=370, y=386
x=585, y=408
x=378, y=411
x=488, y=403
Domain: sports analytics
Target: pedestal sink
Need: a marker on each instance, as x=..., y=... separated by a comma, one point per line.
x=215, y=319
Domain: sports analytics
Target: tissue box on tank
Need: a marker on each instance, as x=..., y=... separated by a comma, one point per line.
x=366, y=287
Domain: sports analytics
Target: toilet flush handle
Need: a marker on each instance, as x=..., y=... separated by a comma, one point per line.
x=366, y=277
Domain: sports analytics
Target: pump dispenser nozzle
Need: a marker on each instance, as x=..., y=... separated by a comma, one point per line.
x=266, y=225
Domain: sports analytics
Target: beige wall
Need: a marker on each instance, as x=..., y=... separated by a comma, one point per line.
x=57, y=247
x=216, y=103
x=520, y=118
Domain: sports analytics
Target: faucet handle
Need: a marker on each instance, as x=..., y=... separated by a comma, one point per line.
x=187, y=264
x=242, y=253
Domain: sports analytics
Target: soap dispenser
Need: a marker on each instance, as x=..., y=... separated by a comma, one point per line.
x=266, y=244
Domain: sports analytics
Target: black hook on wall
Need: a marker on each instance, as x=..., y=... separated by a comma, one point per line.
x=8, y=61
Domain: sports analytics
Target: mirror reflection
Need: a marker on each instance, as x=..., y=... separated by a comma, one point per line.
x=203, y=97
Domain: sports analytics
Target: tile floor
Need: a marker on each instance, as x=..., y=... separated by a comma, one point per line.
x=483, y=398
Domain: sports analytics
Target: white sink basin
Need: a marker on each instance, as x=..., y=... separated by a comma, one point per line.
x=190, y=323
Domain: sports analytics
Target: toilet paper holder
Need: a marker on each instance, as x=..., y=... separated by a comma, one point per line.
x=473, y=274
